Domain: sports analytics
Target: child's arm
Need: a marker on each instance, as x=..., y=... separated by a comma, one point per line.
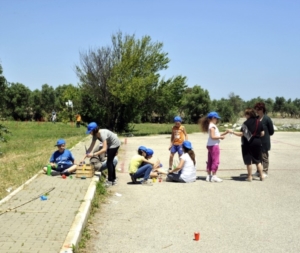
x=185, y=134
x=239, y=134
x=179, y=166
x=212, y=133
x=147, y=161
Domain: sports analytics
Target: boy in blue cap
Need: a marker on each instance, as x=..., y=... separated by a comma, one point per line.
x=62, y=161
x=179, y=135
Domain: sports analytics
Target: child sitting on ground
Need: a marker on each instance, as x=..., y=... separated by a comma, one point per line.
x=157, y=169
x=62, y=161
x=136, y=170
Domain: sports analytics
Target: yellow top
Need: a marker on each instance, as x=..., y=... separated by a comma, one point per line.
x=78, y=117
x=135, y=163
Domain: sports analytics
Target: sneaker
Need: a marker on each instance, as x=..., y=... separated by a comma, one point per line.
x=55, y=173
x=108, y=183
x=216, y=179
x=208, y=178
x=265, y=175
x=133, y=179
x=66, y=172
x=146, y=182
x=256, y=174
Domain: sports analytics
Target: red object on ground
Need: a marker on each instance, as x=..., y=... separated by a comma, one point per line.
x=63, y=176
x=159, y=180
x=197, y=236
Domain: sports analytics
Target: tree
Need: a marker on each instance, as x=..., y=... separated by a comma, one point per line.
x=47, y=99
x=17, y=101
x=279, y=105
x=3, y=87
x=225, y=110
x=117, y=80
x=196, y=103
x=167, y=97
x=236, y=102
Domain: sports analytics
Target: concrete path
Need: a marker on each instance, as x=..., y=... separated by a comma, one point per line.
x=232, y=216
x=51, y=225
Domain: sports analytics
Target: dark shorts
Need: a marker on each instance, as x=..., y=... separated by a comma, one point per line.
x=63, y=167
x=176, y=148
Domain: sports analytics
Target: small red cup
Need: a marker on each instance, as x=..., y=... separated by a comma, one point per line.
x=197, y=236
x=63, y=176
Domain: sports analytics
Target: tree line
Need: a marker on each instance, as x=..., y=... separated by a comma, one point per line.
x=121, y=84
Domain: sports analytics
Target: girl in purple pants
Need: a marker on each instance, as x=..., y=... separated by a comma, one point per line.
x=208, y=124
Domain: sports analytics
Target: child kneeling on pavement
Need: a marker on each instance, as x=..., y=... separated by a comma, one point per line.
x=136, y=170
x=62, y=161
x=186, y=166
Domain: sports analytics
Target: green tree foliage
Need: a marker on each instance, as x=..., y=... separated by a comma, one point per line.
x=63, y=94
x=17, y=101
x=236, y=102
x=3, y=87
x=48, y=99
x=118, y=80
x=195, y=103
x=167, y=98
x=279, y=105
x=225, y=110
x=36, y=107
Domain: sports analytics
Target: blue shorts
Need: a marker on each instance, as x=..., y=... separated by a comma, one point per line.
x=62, y=167
x=177, y=148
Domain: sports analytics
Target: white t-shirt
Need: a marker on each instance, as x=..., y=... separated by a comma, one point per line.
x=210, y=141
x=188, y=172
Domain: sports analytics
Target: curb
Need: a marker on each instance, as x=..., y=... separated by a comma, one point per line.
x=74, y=234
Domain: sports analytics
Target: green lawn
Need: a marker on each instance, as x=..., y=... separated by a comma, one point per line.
x=29, y=147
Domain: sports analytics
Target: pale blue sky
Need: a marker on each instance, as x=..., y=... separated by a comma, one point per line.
x=249, y=47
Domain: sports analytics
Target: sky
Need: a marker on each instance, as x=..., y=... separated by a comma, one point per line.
x=250, y=48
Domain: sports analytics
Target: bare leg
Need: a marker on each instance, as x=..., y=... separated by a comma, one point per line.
x=171, y=160
x=249, y=169
x=260, y=170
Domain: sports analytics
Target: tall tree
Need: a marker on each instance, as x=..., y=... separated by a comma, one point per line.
x=3, y=87
x=17, y=101
x=196, y=103
x=48, y=98
x=117, y=80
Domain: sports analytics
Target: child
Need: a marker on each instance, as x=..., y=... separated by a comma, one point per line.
x=62, y=161
x=208, y=125
x=178, y=136
x=156, y=170
x=136, y=170
x=186, y=166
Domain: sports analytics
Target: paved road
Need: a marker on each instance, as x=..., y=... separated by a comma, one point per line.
x=232, y=216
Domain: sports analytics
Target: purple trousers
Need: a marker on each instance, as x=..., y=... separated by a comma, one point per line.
x=213, y=159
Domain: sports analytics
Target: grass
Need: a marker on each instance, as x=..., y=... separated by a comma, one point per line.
x=152, y=129
x=29, y=148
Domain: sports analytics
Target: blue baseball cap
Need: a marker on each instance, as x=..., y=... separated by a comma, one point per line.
x=60, y=142
x=187, y=145
x=177, y=119
x=143, y=148
x=149, y=152
x=91, y=127
x=213, y=115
